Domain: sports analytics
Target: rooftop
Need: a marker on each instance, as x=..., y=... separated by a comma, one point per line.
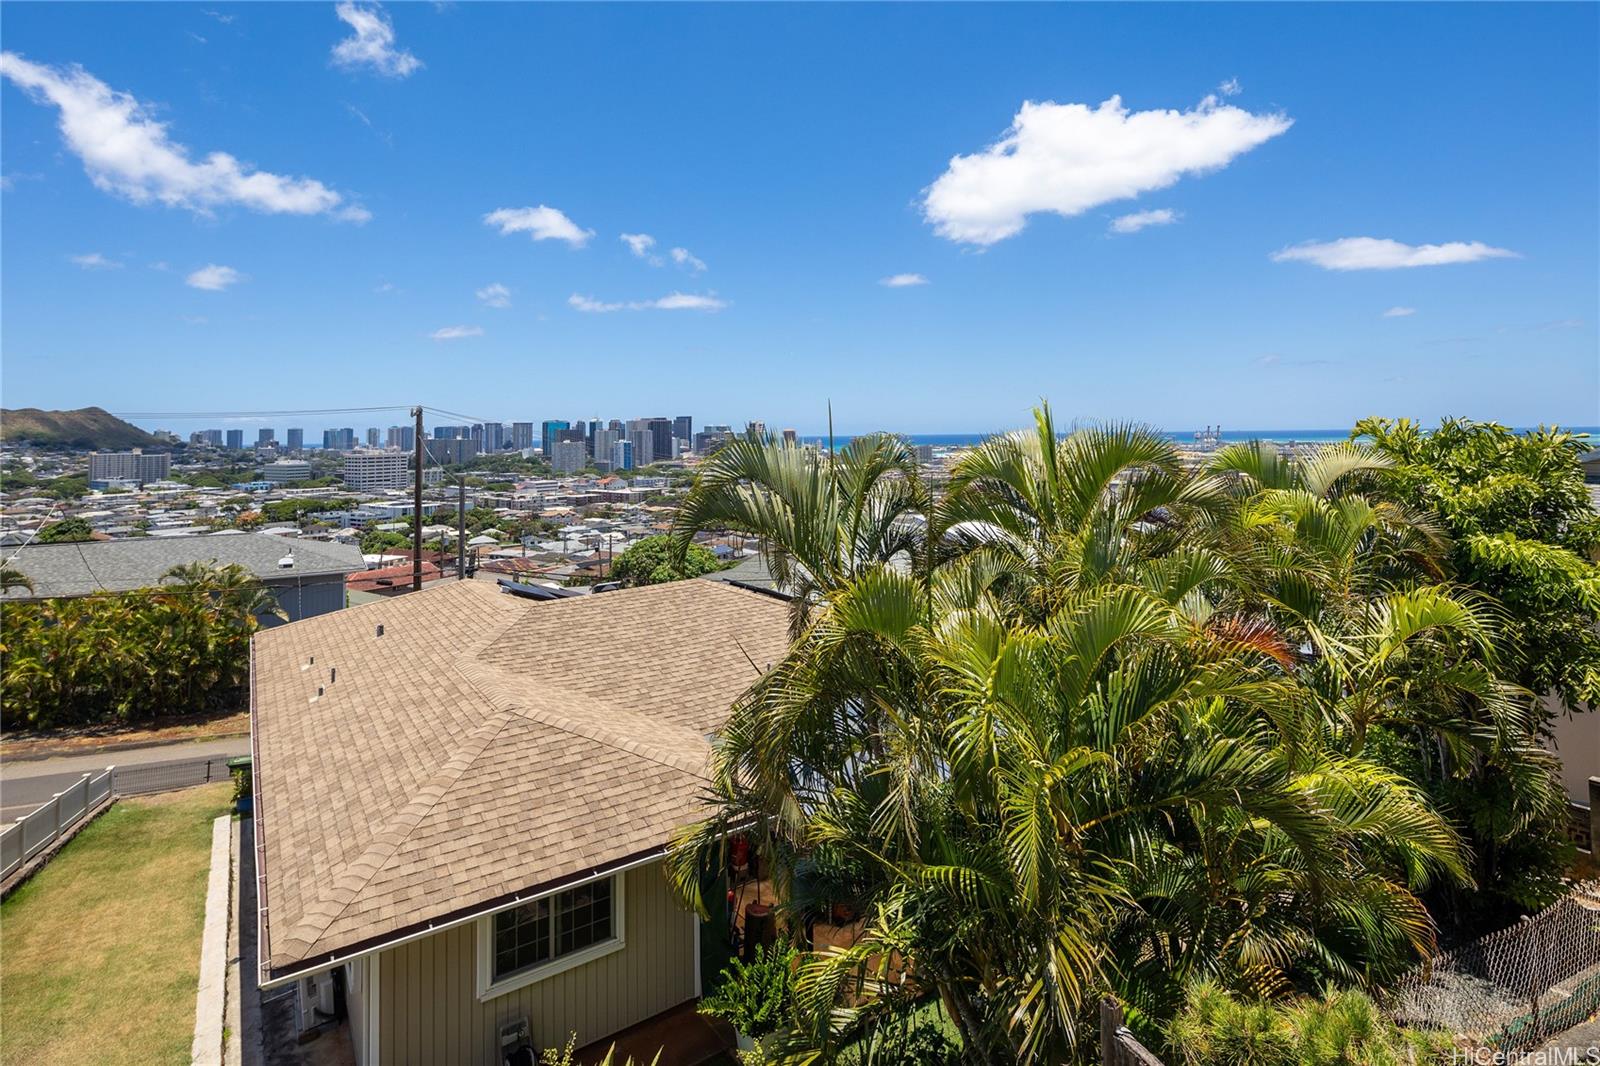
x=86, y=567
x=483, y=746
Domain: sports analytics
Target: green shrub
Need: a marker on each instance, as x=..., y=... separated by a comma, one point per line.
x=1343, y=1028
x=757, y=997
x=902, y=1038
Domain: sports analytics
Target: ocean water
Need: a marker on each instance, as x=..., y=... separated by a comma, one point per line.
x=1303, y=436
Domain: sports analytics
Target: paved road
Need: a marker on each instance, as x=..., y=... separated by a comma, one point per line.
x=24, y=784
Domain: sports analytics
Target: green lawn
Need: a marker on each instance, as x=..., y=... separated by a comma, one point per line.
x=100, y=952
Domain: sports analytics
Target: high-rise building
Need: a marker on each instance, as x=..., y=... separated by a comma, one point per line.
x=660, y=439
x=571, y=455
x=339, y=440
x=594, y=426
x=373, y=471
x=285, y=471
x=643, y=448
x=373, y=436
x=758, y=430
x=683, y=427
x=446, y=432
x=790, y=438
x=296, y=439
x=604, y=441
x=236, y=440
x=622, y=455
x=547, y=434
x=924, y=455
x=521, y=435
x=494, y=437
x=137, y=466
x=711, y=438
x=451, y=452
x=263, y=436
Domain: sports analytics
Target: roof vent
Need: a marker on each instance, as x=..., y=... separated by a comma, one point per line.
x=319, y=690
x=287, y=562
x=380, y=629
x=333, y=674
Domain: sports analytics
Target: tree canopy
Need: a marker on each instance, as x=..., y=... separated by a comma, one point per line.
x=1090, y=720
x=654, y=560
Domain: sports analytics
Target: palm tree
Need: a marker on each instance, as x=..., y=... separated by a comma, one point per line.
x=12, y=578
x=1059, y=516
x=822, y=519
x=1055, y=766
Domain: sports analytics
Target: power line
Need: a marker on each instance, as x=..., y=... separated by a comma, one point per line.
x=259, y=414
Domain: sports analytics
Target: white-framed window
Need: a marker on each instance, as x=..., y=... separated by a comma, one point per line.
x=541, y=937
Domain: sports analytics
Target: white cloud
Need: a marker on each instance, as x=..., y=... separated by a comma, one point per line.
x=1137, y=221
x=683, y=301
x=683, y=258
x=541, y=223
x=455, y=333
x=1400, y=312
x=128, y=153
x=1231, y=87
x=590, y=305
x=1068, y=158
x=676, y=301
x=213, y=278
x=372, y=44
x=901, y=281
x=639, y=244
x=94, y=261
x=1373, y=253
x=219, y=16
x=494, y=295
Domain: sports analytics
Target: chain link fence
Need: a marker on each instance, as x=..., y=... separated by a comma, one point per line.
x=1518, y=987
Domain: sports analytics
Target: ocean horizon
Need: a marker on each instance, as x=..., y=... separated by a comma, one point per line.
x=1185, y=436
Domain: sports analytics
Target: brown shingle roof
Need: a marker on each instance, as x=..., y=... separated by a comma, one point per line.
x=483, y=746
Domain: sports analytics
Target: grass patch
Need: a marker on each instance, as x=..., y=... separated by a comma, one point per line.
x=100, y=951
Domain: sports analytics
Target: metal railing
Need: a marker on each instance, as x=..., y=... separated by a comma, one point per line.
x=44, y=825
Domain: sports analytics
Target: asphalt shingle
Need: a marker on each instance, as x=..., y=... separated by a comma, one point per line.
x=484, y=745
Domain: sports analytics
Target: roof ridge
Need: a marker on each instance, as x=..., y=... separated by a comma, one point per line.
x=493, y=686
x=347, y=885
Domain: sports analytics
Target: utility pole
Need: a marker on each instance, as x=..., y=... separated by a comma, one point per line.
x=461, y=528
x=416, y=509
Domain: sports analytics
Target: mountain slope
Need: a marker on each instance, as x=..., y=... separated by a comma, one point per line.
x=87, y=427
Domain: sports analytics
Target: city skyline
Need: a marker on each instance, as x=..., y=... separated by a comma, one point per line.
x=254, y=201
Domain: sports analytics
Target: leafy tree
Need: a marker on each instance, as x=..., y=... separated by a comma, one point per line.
x=295, y=510
x=1518, y=526
x=66, y=488
x=1523, y=530
x=378, y=541
x=66, y=531
x=654, y=560
x=1090, y=720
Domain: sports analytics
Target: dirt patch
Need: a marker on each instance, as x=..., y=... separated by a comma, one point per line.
x=86, y=740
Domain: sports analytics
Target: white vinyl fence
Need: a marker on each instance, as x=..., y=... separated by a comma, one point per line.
x=42, y=826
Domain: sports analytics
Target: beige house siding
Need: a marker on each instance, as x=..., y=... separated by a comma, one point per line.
x=426, y=996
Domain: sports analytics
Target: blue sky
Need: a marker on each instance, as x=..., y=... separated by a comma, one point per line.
x=1287, y=175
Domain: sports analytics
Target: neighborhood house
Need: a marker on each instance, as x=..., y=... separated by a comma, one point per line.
x=462, y=833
